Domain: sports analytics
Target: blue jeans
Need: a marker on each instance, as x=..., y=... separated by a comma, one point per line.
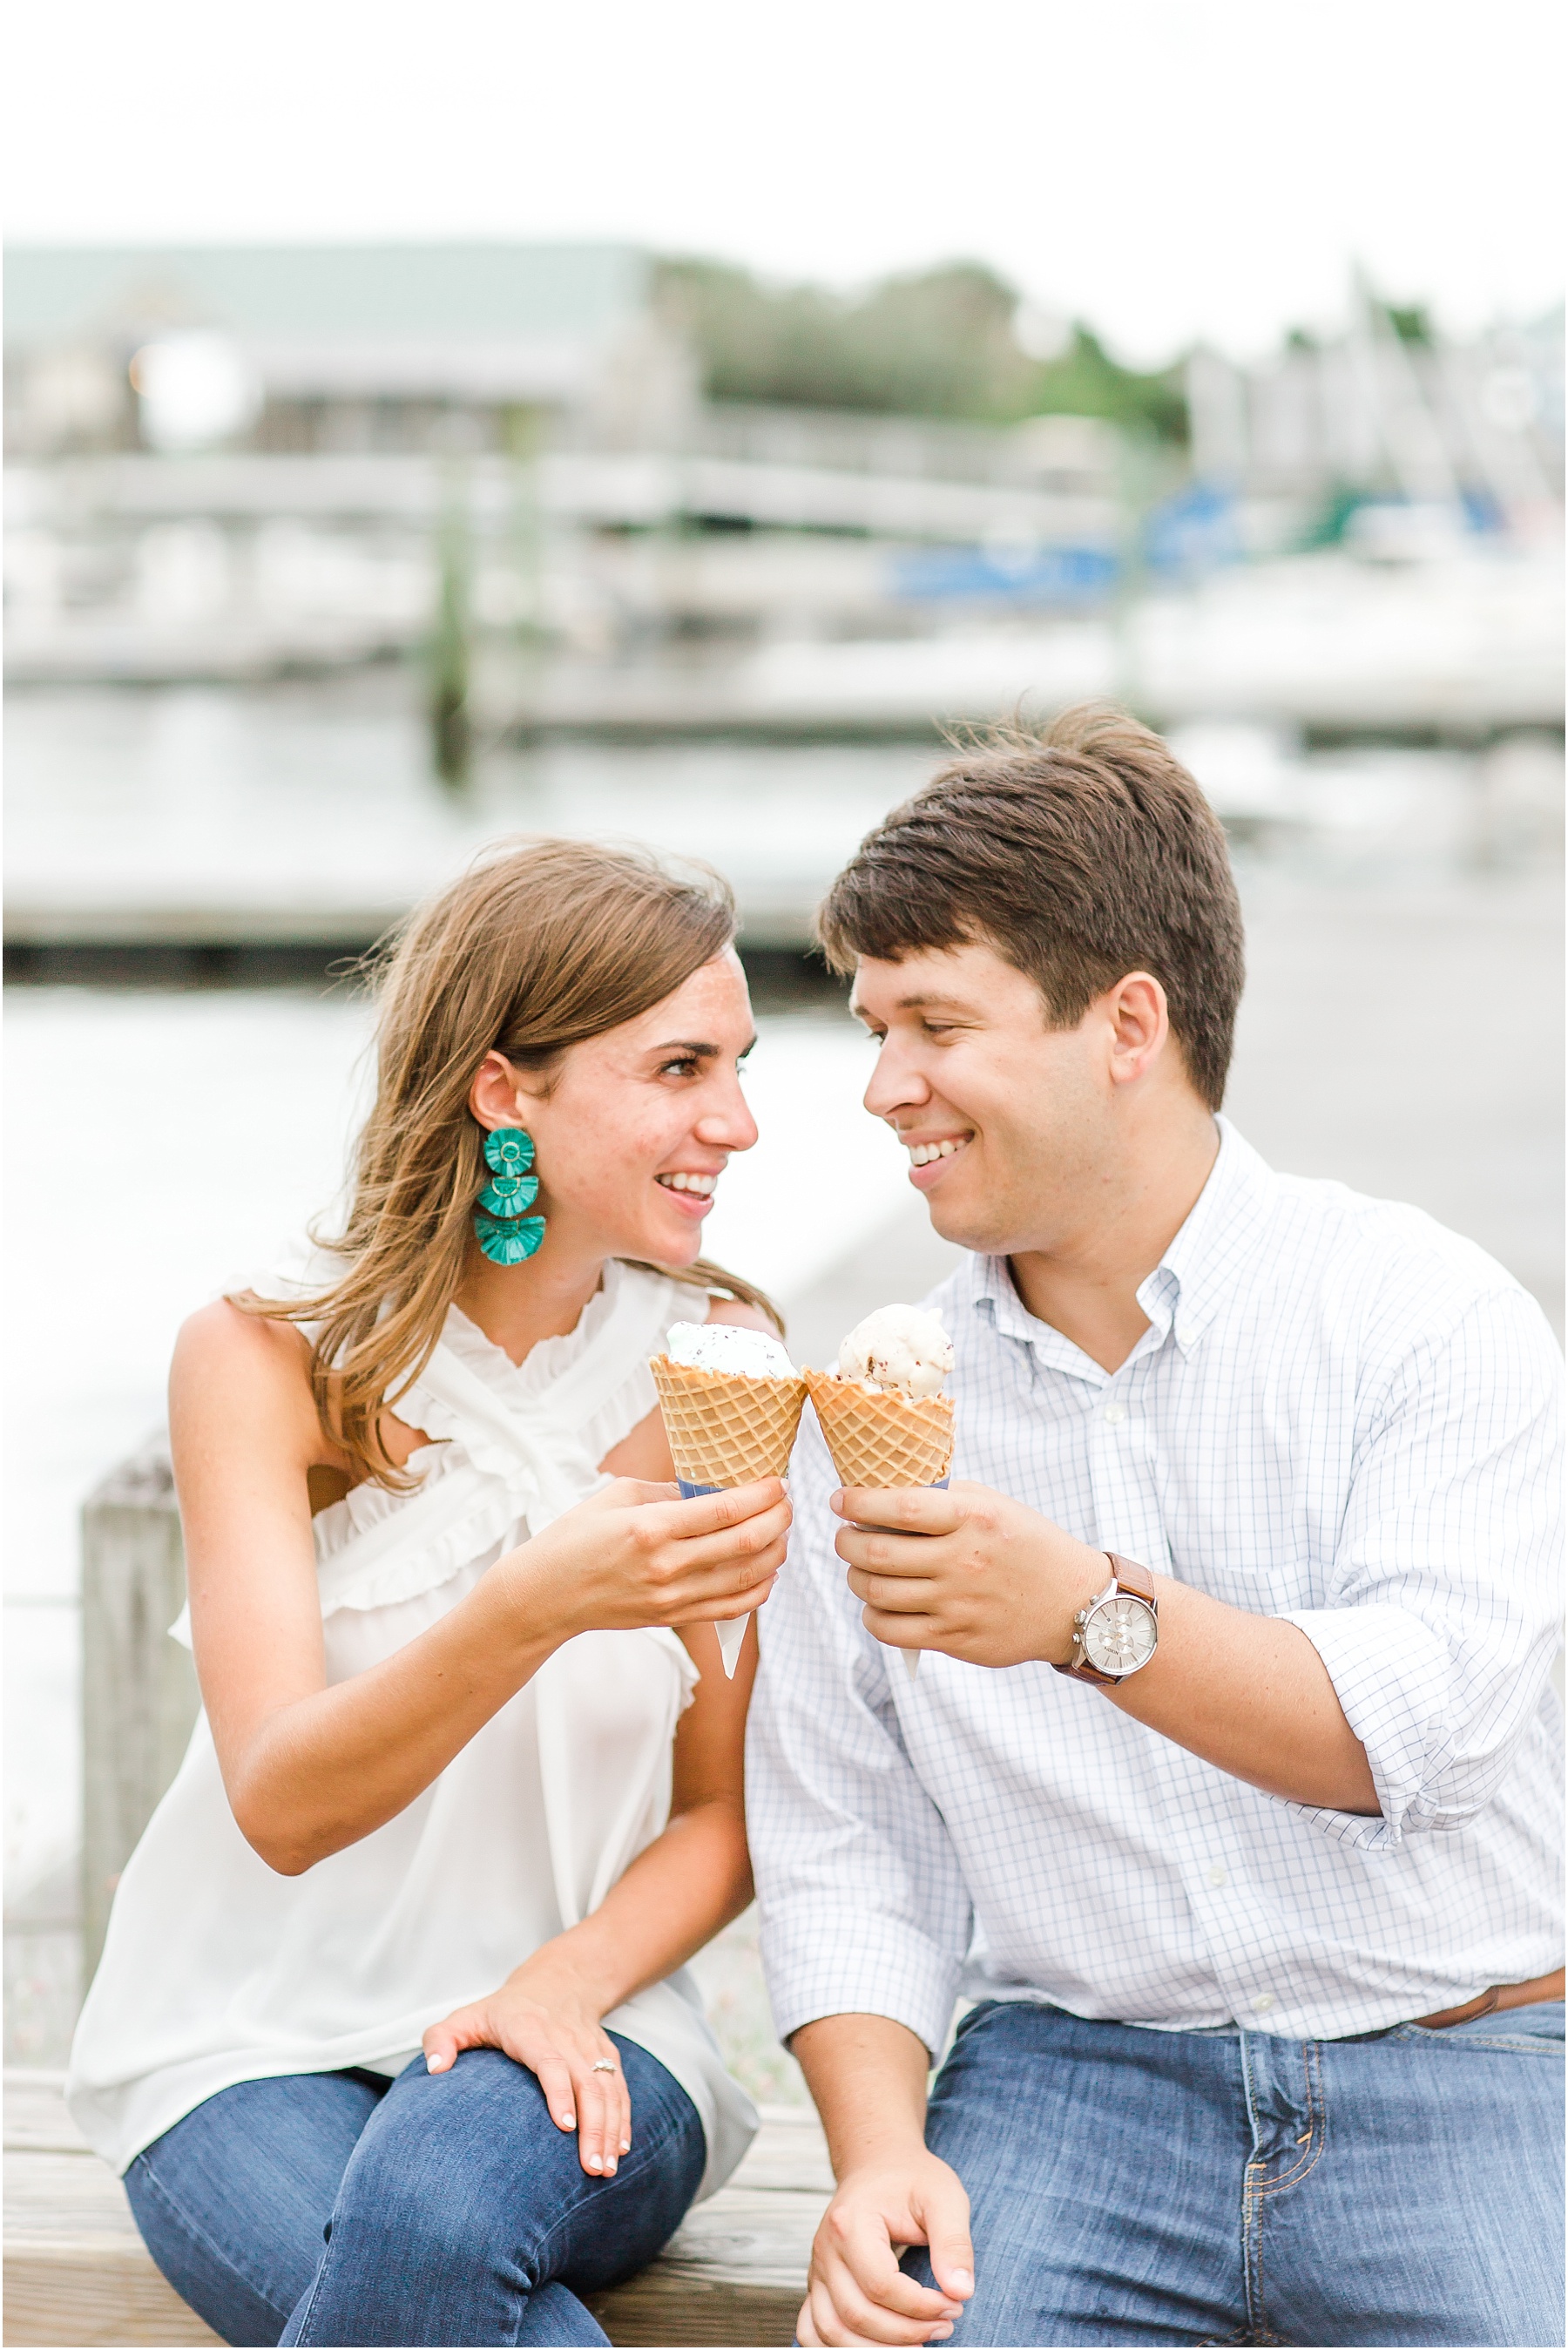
x=450, y=2208
x=1129, y=2186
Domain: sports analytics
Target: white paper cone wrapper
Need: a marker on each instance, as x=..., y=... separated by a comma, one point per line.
x=733, y=1631
x=731, y=1640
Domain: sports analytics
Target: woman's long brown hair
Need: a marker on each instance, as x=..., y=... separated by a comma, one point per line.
x=540, y=945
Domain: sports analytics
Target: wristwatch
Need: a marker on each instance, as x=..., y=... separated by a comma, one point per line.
x=1118, y=1631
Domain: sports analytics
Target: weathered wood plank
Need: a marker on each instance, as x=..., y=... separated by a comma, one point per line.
x=75, y=2269
x=139, y=1687
x=790, y=2152
x=77, y=2272
x=66, y=2196
x=36, y=2117
x=91, y=2296
x=734, y=2273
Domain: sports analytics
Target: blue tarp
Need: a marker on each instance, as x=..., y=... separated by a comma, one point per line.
x=1028, y=575
x=1196, y=530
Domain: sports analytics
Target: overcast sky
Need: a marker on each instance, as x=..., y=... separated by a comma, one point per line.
x=1166, y=168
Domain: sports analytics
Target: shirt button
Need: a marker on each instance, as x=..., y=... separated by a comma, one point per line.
x=1262, y=2003
x=1114, y=1414
x=1216, y=1877
x=1187, y=1338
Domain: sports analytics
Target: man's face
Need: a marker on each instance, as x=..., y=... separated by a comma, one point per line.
x=1008, y=1123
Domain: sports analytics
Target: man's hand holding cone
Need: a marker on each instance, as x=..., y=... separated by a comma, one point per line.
x=887, y=1426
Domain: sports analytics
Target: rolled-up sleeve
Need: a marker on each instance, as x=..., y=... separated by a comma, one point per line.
x=863, y=1904
x=1445, y=1606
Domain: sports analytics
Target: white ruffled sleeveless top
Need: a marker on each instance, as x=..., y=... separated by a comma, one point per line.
x=217, y=1969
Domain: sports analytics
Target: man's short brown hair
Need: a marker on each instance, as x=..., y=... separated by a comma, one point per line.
x=1080, y=852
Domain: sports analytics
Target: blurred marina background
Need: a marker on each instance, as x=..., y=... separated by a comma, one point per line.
x=330, y=557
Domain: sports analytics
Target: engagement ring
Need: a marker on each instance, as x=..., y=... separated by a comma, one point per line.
x=602, y=2064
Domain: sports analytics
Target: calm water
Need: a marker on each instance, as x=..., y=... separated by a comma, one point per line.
x=318, y=798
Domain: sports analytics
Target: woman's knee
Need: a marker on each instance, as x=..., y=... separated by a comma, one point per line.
x=452, y=2165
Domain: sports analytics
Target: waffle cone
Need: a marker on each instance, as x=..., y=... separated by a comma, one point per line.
x=725, y=1431
x=880, y=1440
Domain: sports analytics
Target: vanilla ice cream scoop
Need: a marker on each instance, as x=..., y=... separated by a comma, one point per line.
x=899, y=1348
x=725, y=1346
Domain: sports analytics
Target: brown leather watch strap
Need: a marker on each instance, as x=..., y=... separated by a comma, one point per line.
x=1085, y=1671
x=1138, y=1584
x=1132, y=1577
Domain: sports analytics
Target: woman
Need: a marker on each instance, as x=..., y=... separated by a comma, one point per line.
x=389, y=2037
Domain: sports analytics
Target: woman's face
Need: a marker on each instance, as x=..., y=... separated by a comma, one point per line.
x=638, y=1124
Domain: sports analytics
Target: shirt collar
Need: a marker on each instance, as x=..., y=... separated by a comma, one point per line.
x=1218, y=1240
x=1189, y=1284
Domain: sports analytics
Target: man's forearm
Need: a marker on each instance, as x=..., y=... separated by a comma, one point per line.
x=1252, y=1695
x=868, y=2077
x=992, y=1582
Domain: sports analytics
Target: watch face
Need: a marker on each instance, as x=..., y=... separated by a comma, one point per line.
x=1120, y=1634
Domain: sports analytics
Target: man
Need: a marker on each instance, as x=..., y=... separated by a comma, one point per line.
x=1227, y=1789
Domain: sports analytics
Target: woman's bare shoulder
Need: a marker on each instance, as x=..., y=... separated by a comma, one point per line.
x=237, y=1368
x=738, y=1310
x=221, y=1336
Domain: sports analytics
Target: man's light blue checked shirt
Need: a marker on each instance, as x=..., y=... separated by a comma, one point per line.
x=1341, y=1414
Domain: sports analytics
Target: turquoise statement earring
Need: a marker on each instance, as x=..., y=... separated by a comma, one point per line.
x=501, y=1225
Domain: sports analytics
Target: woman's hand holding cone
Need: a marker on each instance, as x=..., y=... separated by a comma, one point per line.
x=636, y=1554
x=727, y=1429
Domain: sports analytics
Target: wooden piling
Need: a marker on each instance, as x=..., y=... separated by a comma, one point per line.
x=139, y=1695
x=450, y=660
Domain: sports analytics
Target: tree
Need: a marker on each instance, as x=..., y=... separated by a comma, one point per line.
x=942, y=343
